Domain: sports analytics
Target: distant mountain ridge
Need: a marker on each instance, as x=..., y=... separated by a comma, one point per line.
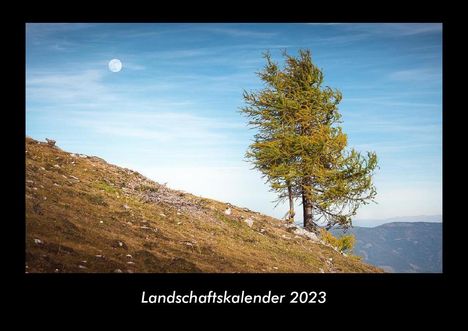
x=400, y=246
x=400, y=219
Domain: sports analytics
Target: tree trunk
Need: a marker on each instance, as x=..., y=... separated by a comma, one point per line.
x=291, y=204
x=307, y=211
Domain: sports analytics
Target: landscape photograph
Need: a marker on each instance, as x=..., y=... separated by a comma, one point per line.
x=233, y=148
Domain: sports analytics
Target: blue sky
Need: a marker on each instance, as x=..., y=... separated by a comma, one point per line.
x=172, y=114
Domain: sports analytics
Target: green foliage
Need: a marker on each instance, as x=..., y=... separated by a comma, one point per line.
x=105, y=187
x=299, y=144
x=344, y=243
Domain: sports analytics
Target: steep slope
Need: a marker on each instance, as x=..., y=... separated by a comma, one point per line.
x=401, y=246
x=85, y=215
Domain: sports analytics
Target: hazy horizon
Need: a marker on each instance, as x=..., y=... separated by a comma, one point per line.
x=171, y=113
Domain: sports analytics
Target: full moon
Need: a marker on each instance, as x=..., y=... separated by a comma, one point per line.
x=115, y=65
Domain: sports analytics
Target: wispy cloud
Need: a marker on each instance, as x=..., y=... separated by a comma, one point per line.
x=394, y=29
x=410, y=29
x=168, y=127
x=238, y=32
x=68, y=87
x=417, y=75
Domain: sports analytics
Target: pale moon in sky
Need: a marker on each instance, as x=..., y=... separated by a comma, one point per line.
x=115, y=65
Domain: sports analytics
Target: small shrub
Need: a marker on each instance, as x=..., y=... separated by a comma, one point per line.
x=344, y=243
x=105, y=187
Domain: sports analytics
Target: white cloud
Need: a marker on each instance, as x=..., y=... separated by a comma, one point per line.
x=167, y=127
x=65, y=88
x=235, y=31
x=417, y=75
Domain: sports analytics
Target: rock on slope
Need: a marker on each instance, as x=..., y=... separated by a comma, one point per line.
x=85, y=215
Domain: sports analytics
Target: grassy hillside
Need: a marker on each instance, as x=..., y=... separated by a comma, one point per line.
x=85, y=215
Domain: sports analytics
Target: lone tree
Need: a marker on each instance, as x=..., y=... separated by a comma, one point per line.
x=300, y=148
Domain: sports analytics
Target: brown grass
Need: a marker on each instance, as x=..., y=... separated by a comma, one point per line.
x=111, y=218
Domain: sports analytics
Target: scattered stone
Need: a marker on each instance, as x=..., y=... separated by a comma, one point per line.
x=130, y=262
x=101, y=222
x=64, y=176
x=163, y=215
x=35, y=188
x=56, y=166
x=82, y=266
x=119, y=244
x=126, y=206
x=285, y=237
x=38, y=241
x=74, y=177
x=118, y=271
x=55, y=184
x=262, y=230
x=188, y=243
x=289, y=225
x=129, y=256
x=321, y=271
x=42, y=168
x=305, y=233
x=84, y=261
x=50, y=142
x=179, y=223
x=276, y=268
x=45, y=198
x=130, y=271
x=228, y=211
x=179, y=214
x=56, y=270
x=249, y=222
x=29, y=181
x=99, y=256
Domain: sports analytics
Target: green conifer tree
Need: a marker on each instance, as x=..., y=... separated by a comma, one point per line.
x=300, y=147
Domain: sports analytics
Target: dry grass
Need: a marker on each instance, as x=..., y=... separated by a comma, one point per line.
x=91, y=216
